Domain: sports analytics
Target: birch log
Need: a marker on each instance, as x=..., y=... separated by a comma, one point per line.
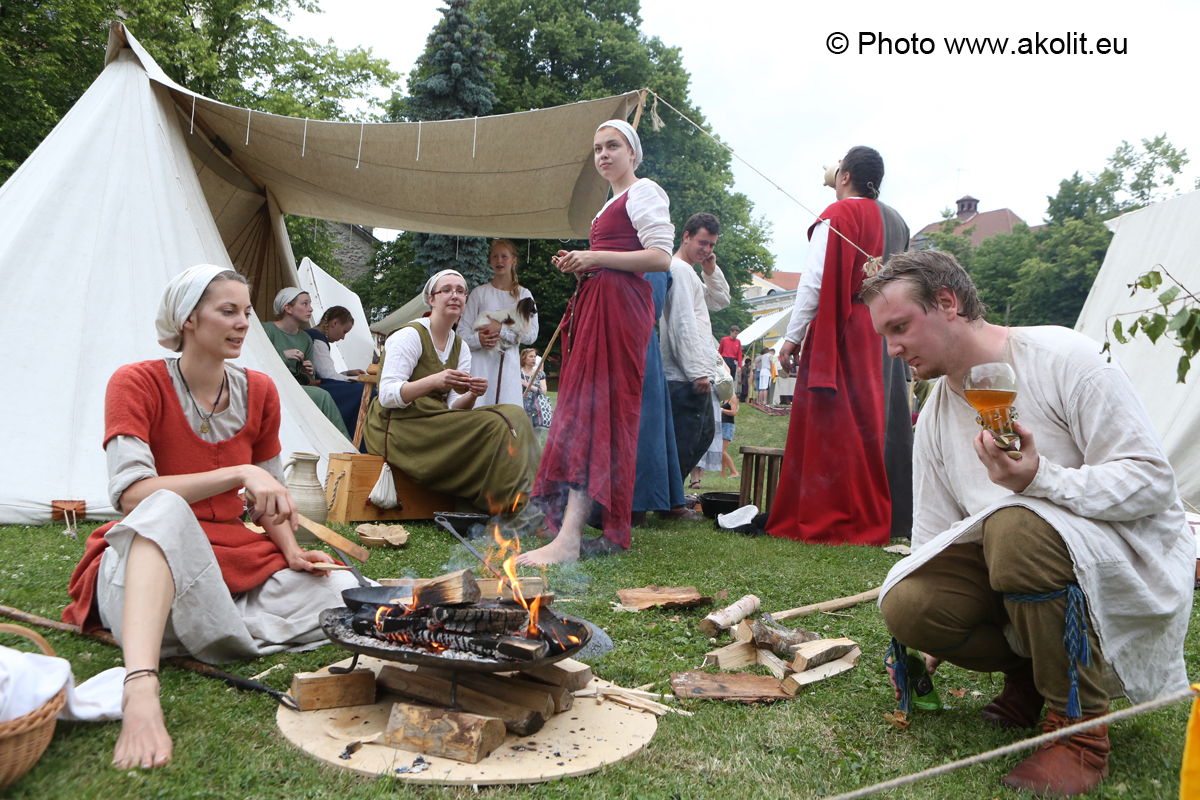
x=729, y=616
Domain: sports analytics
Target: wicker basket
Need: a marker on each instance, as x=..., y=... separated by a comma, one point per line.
x=24, y=739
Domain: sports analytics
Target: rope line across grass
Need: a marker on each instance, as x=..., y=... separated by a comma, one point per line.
x=1025, y=744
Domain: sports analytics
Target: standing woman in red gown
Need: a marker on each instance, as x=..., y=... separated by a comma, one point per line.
x=592, y=448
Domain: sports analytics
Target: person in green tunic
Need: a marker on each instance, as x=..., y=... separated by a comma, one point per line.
x=423, y=423
x=294, y=309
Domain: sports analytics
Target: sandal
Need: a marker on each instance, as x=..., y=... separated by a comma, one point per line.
x=694, y=485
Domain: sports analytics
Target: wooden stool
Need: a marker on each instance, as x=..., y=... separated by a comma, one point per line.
x=760, y=465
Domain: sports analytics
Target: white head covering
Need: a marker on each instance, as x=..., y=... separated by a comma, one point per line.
x=431, y=284
x=179, y=300
x=630, y=136
x=284, y=297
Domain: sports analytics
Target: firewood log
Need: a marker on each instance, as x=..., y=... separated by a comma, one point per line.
x=778, y=639
x=447, y=734
x=729, y=616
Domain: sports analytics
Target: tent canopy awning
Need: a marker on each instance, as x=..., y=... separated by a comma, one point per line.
x=766, y=324
x=413, y=309
x=527, y=175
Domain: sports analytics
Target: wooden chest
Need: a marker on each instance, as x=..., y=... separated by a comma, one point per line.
x=348, y=484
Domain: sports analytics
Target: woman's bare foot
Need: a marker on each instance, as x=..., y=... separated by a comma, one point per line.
x=144, y=741
x=563, y=550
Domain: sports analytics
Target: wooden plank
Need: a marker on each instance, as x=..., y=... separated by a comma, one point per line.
x=828, y=605
x=570, y=674
x=436, y=691
x=316, y=690
x=779, y=668
x=530, y=588
x=739, y=686
x=761, y=451
x=729, y=616
x=530, y=695
x=793, y=682
x=662, y=597
x=732, y=656
x=334, y=539
x=563, y=697
x=448, y=734
x=814, y=654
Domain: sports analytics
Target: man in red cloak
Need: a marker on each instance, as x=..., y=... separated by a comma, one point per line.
x=833, y=487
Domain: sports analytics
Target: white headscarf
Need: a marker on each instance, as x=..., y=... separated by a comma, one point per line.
x=431, y=284
x=179, y=301
x=286, y=296
x=630, y=136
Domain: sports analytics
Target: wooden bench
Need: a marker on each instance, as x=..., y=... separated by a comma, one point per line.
x=760, y=473
x=352, y=476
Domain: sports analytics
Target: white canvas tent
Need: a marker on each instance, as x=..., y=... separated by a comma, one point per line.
x=1165, y=235
x=142, y=179
x=773, y=322
x=358, y=348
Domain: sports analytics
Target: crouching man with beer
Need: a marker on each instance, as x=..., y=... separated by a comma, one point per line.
x=1070, y=568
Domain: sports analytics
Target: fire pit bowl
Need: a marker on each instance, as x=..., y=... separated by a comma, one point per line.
x=713, y=503
x=336, y=622
x=463, y=522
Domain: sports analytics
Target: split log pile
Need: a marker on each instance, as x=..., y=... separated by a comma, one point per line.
x=795, y=657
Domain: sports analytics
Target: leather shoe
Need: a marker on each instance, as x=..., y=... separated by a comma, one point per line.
x=600, y=546
x=681, y=513
x=1019, y=705
x=1066, y=767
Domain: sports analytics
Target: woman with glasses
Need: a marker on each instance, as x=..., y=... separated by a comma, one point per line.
x=422, y=421
x=494, y=347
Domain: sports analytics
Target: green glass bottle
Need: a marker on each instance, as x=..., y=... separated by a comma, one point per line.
x=920, y=682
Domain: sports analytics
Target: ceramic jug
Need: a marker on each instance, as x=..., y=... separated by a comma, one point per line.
x=306, y=491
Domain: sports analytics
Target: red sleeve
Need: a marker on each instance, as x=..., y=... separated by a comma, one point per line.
x=839, y=286
x=266, y=445
x=132, y=401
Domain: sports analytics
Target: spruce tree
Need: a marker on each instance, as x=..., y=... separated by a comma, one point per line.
x=453, y=80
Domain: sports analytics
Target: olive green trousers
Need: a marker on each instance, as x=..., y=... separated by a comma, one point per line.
x=954, y=608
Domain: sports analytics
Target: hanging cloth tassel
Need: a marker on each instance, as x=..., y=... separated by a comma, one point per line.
x=1075, y=638
x=897, y=658
x=655, y=120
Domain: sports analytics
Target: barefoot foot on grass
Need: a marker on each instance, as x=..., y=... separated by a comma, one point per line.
x=144, y=741
x=563, y=550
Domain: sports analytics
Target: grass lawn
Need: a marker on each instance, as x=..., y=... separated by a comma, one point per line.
x=830, y=739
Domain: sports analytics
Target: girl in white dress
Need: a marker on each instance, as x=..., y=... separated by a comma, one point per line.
x=494, y=348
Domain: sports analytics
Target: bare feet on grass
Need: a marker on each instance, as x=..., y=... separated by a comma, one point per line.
x=144, y=741
x=562, y=550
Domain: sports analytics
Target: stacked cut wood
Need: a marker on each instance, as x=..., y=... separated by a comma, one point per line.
x=794, y=656
x=421, y=720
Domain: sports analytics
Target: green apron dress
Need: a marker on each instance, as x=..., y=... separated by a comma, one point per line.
x=486, y=456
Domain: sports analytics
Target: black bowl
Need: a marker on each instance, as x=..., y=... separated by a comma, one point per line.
x=713, y=503
x=463, y=522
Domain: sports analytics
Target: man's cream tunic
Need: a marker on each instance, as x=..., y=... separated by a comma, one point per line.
x=1103, y=482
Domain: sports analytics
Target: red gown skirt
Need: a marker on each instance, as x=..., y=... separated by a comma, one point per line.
x=592, y=445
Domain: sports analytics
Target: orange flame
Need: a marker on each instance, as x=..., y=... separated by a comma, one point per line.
x=506, y=553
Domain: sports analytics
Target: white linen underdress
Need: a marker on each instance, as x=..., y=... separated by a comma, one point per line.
x=206, y=621
x=487, y=363
x=1103, y=482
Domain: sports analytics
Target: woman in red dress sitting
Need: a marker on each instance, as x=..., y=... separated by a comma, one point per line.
x=181, y=573
x=592, y=447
